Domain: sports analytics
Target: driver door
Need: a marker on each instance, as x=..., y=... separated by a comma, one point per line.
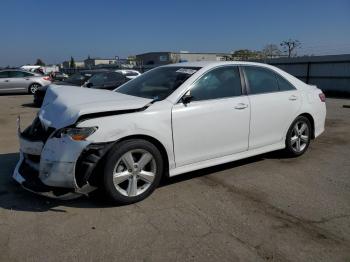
x=215, y=123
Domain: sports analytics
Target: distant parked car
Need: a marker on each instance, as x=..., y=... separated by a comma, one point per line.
x=131, y=74
x=16, y=80
x=59, y=76
x=106, y=80
x=77, y=79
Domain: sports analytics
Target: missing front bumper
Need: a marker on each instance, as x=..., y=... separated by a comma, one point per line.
x=28, y=177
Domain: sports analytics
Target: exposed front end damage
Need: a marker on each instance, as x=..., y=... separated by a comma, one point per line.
x=49, y=165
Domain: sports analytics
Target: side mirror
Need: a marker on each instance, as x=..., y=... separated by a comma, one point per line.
x=187, y=97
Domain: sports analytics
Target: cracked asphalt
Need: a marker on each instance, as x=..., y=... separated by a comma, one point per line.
x=265, y=208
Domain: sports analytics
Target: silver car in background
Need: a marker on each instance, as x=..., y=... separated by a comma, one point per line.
x=16, y=80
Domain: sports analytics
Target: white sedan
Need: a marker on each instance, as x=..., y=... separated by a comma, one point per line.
x=168, y=121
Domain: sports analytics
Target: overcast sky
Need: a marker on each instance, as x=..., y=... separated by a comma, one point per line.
x=56, y=30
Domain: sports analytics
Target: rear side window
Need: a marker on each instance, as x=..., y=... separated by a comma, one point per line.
x=4, y=74
x=218, y=83
x=283, y=84
x=260, y=80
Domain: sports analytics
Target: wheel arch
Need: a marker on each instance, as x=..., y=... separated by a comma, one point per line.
x=155, y=142
x=92, y=160
x=312, y=122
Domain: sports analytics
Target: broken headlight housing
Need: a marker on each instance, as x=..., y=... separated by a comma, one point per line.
x=76, y=133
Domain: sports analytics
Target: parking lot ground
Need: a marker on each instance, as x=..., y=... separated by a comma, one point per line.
x=265, y=208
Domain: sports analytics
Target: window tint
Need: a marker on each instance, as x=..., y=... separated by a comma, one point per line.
x=111, y=77
x=98, y=79
x=158, y=83
x=4, y=74
x=19, y=74
x=260, y=80
x=283, y=84
x=218, y=83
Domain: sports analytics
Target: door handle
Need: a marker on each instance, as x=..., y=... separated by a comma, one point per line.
x=241, y=106
x=7, y=81
x=293, y=98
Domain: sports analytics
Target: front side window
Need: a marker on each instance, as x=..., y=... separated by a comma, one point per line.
x=218, y=83
x=158, y=83
x=260, y=80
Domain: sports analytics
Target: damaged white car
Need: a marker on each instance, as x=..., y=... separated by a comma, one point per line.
x=168, y=121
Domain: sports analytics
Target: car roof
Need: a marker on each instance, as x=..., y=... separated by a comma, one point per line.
x=209, y=64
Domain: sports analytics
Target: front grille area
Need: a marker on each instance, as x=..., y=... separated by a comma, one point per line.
x=36, y=132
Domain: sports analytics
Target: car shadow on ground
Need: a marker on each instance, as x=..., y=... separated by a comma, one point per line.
x=14, y=197
x=31, y=105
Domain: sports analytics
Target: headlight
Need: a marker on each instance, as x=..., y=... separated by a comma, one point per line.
x=76, y=133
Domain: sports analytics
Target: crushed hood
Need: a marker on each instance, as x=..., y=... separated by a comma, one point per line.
x=63, y=105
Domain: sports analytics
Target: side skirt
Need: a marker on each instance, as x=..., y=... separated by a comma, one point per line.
x=225, y=159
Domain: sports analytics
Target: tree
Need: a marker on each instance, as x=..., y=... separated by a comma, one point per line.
x=245, y=54
x=271, y=51
x=39, y=62
x=289, y=46
x=72, y=62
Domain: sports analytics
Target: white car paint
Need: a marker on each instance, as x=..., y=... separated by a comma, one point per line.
x=194, y=136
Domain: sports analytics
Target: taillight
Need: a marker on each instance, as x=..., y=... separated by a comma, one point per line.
x=47, y=78
x=322, y=97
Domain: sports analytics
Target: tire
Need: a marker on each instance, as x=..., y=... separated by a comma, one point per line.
x=298, y=137
x=132, y=171
x=33, y=88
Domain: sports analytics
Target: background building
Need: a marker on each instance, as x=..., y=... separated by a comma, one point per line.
x=163, y=58
x=92, y=62
x=78, y=64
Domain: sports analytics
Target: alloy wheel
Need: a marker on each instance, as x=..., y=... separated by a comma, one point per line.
x=134, y=172
x=300, y=136
x=34, y=88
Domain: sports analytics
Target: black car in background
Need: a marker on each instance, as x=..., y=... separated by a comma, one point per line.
x=77, y=79
x=107, y=80
x=98, y=79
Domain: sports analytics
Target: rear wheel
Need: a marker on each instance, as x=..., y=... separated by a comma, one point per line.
x=298, y=136
x=33, y=88
x=133, y=170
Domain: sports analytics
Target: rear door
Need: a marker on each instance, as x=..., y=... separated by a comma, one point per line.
x=19, y=80
x=274, y=104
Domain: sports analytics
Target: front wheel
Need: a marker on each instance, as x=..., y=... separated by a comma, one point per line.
x=132, y=171
x=298, y=136
x=33, y=88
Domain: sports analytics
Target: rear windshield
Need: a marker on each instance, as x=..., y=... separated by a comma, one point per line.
x=158, y=83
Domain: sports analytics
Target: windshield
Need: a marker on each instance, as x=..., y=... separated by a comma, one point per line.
x=158, y=83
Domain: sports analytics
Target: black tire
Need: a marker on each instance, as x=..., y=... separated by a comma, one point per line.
x=293, y=137
x=33, y=88
x=115, y=156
